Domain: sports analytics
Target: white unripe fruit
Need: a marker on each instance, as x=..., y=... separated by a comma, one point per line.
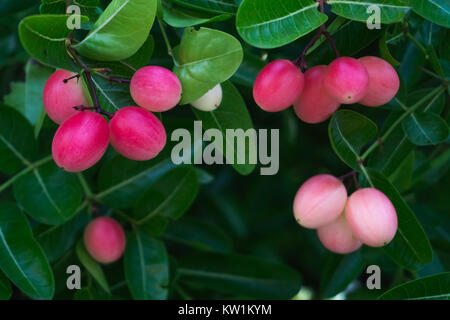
x=209, y=101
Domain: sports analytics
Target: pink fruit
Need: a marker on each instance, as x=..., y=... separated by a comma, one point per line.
x=337, y=236
x=315, y=104
x=155, y=88
x=346, y=80
x=137, y=133
x=371, y=217
x=104, y=239
x=278, y=85
x=383, y=82
x=80, y=141
x=319, y=201
x=60, y=97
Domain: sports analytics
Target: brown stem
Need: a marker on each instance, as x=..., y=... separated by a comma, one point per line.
x=101, y=111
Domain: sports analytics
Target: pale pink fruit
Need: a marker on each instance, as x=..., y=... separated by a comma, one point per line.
x=383, y=82
x=371, y=217
x=278, y=85
x=337, y=236
x=60, y=97
x=156, y=89
x=346, y=80
x=80, y=141
x=104, y=239
x=319, y=201
x=315, y=104
x=137, y=133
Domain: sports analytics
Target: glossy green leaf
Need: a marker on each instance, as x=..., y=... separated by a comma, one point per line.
x=57, y=240
x=204, y=58
x=123, y=188
x=112, y=96
x=274, y=23
x=242, y=275
x=349, y=132
x=17, y=144
x=232, y=114
x=434, y=10
x=92, y=266
x=390, y=10
x=44, y=38
x=21, y=258
x=425, y=128
x=339, y=272
x=5, y=287
x=146, y=267
x=198, y=234
x=48, y=194
x=179, y=17
x=120, y=31
x=385, y=52
x=170, y=196
x=214, y=6
x=435, y=287
x=410, y=237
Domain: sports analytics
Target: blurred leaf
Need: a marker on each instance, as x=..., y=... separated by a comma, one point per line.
x=349, y=132
x=91, y=266
x=214, y=6
x=170, y=196
x=120, y=31
x=435, y=287
x=57, y=240
x=21, y=257
x=198, y=234
x=146, y=267
x=178, y=17
x=48, y=194
x=424, y=128
x=410, y=242
x=44, y=38
x=204, y=58
x=231, y=114
x=339, y=271
x=433, y=10
x=5, y=287
x=90, y=292
x=402, y=177
x=16, y=98
x=385, y=52
x=240, y=275
x=17, y=144
x=274, y=23
x=390, y=10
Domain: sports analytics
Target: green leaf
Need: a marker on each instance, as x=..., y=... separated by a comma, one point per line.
x=178, y=17
x=231, y=114
x=21, y=257
x=16, y=98
x=112, y=96
x=204, y=58
x=410, y=242
x=425, y=128
x=48, y=194
x=57, y=240
x=434, y=10
x=90, y=292
x=214, y=6
x=5, y=287
x=349, y=132
x=146, y=266
x=17, y=144
x=123, y=188
x=170, y=196
x=44, y=38
x=120, y=31
x=198, y=234
x=339, y=271
x=36, y=77
x=240, y=275
x=385, y=52
x=435, y=287
x=390, y=10
x=53, y=7
x=274, y=23
x=92, y=266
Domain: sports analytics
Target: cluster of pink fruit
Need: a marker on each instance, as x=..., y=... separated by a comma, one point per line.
x=345, y=223
x=318, y=93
